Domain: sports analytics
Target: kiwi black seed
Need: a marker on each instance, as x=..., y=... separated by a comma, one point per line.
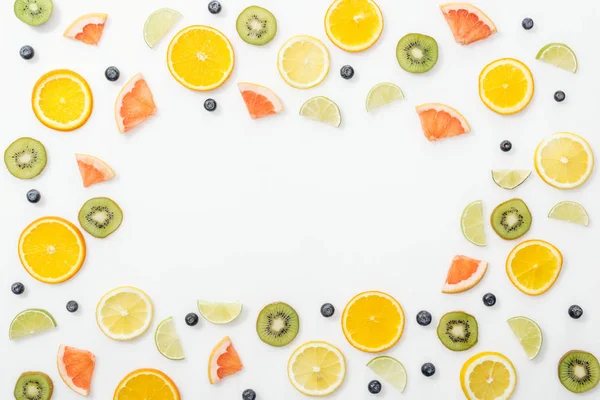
x=511, y=219
x=417, y=53
x=25, y=158
x=34, y=386
x=100, y=216
x=458, y=331
x=578, y=371
x=277, y=324
x=33, y=12
x=256, y=25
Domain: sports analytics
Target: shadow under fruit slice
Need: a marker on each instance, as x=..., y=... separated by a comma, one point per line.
x=511, y=219
x=417, y=53
x=578, y=371
x=458, y=331
x=464, y=273
x=34, y=386
x=25, y=158
x=277, y=324
x=100, y=217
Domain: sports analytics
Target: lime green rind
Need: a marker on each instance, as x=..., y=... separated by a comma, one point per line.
x=305, y=112
x=562, y=45
x=578, y=215
x=169, y=18
x=200, y=304
x=32, y=310
x=522, y=176
x=526, y=345
x=156, y=341
x=394, y=93
x=398, y=384
x=482, y=242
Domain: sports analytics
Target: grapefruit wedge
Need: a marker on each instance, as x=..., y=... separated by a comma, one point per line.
x=224, y=361
x=260, y=101
x=87, y=28
x=440, y=121
x=93, y=170
x=464, y=273
x=76, y=368
x=134, y=105
x=467, y=22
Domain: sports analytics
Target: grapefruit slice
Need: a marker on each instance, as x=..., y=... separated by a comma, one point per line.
x=224, y=361
x=260, y=101
x=93, y=170
x=440, y=121
x=134, y=105
x=464, y=273
x=87, y=28
x=76, y=368
x=467, y=22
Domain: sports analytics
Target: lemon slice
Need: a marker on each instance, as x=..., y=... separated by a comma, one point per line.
x=510, y=178
x=167, y=342
x=383, y=93
x=303, y=61
x=472, y=224
x=560, y=55
x=353, y=25
x=528, y=333
x=533, y=266
x=488, y=376
x=506, y=86
x=219, y=313
x=124, y=313
x=323, y=110
x=317, y=369
x=158, y=24
x=30, y=322
x=390, y=370
x=570, y=211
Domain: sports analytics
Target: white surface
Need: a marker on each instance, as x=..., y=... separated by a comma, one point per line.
x=218, y=206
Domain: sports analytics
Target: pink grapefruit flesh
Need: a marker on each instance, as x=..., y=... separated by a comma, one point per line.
x=260, y=101
x=93, y=170
x=134, y=105
x=87, y=28
x=76, y=368
x=464, y=273
x=440, y=121
x=467, y=22
x=224, y=361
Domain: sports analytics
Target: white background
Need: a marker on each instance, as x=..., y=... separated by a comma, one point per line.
x=221, y=207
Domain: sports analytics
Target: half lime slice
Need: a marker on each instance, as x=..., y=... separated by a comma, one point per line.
x=323, y=110
x=528, y=333
x=219, y=313
x=510, y=178
x=390, y=370
x=560, y=55
x=167, y=341
x=158, y=24
x=472, y=225
x=570, y=211
x=30, y=322
x=383, y=93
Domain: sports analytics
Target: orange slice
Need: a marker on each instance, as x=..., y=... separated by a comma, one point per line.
x=440, y=121
x=147, y=384
x=87, y=28
x=260, y=101
x=93, y=170
x=533, y=266
x=464, y=273
x=224, y=361
x=76, y=368
x=134, y=105
x=51, y=249
x=467, y=22
x=353, y=25
x=506, y=86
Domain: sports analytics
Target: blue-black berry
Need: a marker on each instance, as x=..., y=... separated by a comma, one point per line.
x=17, y=288
x=527, y=23
x=489, y=299
x=505, y=145
x=249, y=394
x=214, y=7
x=191, y=319
x=423, y=318
x=575, y=312
x=559, y=96
x=374, y=387
x=347, y=72
x=33, y=196
x=26, y=52
x=72, y=306
x=112, y=74
x=428, y=369
x=210, y=105
x=327, y=310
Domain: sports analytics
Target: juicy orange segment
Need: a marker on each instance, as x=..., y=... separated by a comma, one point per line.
x=87, y=28
x=506, y=86
x=353, y=25
x=533, y=266
x=467, y=22
x=440, y=121
x=147, y=384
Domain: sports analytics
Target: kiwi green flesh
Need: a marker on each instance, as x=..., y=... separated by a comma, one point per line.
x=417, y=53
x=25, y=158
x=100, y=217
x=511, y=219
x=33, y=12
x=256, y=25
x=34, y=386
x=277, y=324
x=578, y=371
x=458, y=331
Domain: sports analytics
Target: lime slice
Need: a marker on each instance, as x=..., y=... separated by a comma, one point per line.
x=219, y=313
x=472, y=224
x=558, y=54
x=383, y=93
x=30, y=322
x=158, y=24
x=510, y=178
x=323, y=110
x=167, y=341
x=571, y=212
x=390, y=370
x=528, y=333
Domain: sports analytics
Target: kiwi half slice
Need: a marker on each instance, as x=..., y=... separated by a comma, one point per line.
x=25, y=158
x=100, y=217
x=511, y=219
x=417, y=53
x=256, y=25
x=33, y=12
x=34, y=386
x=458, y=330
x=578, y=371
x=277, y=324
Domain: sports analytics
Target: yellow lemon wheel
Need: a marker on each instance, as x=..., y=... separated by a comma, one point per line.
x=488, y=376
x=303, y=61
x=124, y=313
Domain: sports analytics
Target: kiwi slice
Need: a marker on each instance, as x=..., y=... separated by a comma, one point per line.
x=277, y=324
x=578, y=371
x=33, y=12
x=417, y=53
x=25, y=158
x=256, y=25
x=34, y=386
x=100, y=216
x=511, y=219
x=458, y=331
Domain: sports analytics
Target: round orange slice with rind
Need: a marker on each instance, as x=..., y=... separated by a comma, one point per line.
x=506, y=86
x=147, y=383
x=353, y=25
x=533, y=266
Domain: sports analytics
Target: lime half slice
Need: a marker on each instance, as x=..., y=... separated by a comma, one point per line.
x=167, y=341
x=219, y=313
x=558, y=54
x=472, y=224
x=30, y=322
x=158, y=25
x=390, y=370
x=510, y=178
x=323, y=110
x=383, y=93
x=528, y=333
x=571, y=212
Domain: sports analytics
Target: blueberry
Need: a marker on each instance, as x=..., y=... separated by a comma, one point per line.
x=33, y=196
x=26, y=52
x=249, y=394
x=506, y=145
x=327, y=310
x=424, y=318
x=559, y=95
x=347, y=72
x=428, y=369
x=374, y=387
x=489, y=299
x=210, y=105
x=17, y=288
x=214, y=7
x=112, y=74
x=72, y=306
x=191, y=319
x=527, y=23
x=575, y=312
